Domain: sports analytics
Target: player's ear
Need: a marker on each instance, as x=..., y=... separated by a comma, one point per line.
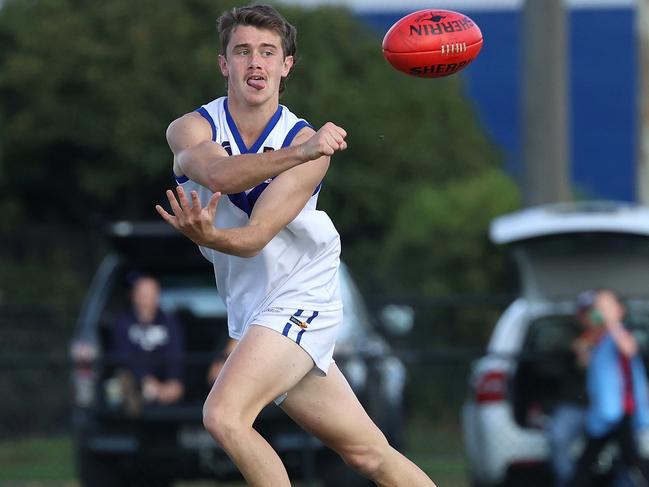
x=288, y=64
x=223, y=65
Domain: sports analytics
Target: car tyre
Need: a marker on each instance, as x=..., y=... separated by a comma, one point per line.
x=99, y=470
x=102, y=471
x=478, y=483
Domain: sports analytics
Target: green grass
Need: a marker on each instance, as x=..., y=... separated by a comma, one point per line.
x=48, y=461
x=36, y=460
x=438, y=450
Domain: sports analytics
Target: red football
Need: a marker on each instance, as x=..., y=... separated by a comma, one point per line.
x=432, y=43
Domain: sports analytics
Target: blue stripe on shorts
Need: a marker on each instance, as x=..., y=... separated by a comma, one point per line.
x=287, y=328
x=309, y=320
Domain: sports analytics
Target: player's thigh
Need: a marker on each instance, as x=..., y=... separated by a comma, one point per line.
x=263, y=365
x=328, y=408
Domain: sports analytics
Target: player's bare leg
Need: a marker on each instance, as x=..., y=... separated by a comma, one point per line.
x=264, y=365
x=328, y=408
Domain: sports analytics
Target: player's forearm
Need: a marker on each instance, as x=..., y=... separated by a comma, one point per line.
x=241, y=241
x=233, y=174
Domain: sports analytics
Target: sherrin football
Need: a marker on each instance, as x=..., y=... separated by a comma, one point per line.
x=432, y=43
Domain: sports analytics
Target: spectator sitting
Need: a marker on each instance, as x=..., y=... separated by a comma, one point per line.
x=147, y=347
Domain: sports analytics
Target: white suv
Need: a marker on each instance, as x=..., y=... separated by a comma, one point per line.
x=559, y=251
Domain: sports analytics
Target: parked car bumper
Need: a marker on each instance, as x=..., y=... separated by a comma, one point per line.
x=495, y=443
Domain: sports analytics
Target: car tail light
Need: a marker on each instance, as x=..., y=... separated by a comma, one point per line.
x=83, y=355
x=491, y=386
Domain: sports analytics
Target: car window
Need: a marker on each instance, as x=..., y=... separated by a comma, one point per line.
x=355, y=315
x=193, y=295
x=201, y=301
x=551, y=334
x=637, y=320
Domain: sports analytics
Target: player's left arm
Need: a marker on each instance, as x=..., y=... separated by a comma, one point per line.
x=276, y=207
x=286, y=196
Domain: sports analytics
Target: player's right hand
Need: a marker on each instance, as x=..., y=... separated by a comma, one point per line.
x=192, y=220
x=325, y=142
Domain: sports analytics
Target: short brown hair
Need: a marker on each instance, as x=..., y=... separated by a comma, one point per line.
x=262, y=17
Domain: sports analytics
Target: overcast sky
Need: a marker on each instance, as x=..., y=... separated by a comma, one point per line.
x=406, y=5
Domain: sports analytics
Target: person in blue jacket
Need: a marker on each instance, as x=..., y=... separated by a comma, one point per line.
x=616, y=383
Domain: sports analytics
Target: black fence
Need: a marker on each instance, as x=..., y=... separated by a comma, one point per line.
x=35, y=341
x=447, y=336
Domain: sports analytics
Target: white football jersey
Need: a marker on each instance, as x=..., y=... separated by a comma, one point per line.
x=298, y=268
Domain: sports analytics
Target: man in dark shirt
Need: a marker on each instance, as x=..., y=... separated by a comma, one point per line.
x=147, y=346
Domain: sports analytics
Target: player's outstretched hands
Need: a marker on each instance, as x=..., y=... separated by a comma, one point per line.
x=325, y=142
x=192, y=220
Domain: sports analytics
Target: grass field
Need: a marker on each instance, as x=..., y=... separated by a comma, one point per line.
x=47, y=461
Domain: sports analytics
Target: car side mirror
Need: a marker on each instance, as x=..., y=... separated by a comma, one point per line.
x=397, y=319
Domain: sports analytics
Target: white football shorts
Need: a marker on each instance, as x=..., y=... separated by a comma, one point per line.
x=315, y=331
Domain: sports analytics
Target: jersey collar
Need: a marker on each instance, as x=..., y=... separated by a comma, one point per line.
x=264, y=135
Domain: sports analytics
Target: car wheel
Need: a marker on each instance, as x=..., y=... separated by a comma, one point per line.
x=336, y=473
x=151, y=482
x=99, y=470
x=103, y=471
x=478, y=483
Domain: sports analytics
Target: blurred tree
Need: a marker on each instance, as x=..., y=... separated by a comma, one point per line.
x=415, y=191
x=450, y=221
x=87, y=90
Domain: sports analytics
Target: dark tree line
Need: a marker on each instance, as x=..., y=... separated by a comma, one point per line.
x=87, y=90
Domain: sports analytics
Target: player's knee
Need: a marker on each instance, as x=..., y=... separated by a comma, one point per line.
x=367, y=459
x=222, y=424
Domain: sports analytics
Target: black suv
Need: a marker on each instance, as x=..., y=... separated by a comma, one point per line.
x=166, y=443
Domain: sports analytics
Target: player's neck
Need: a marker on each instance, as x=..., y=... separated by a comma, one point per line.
x=251, y=120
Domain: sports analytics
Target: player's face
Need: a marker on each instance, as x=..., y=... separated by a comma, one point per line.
x=254, y=64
